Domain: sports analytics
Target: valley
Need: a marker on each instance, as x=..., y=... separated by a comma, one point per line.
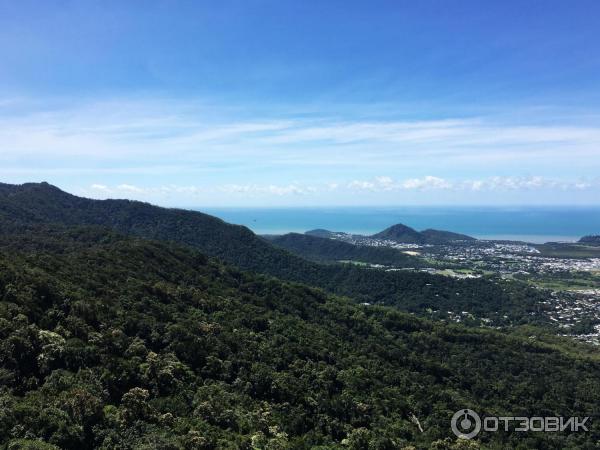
x=568, y=282
x=127, y=325
x=296, y=225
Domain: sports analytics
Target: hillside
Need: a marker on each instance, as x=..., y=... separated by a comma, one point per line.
x=592, y=239
x=400, y=233
x=321, y=249
x=444, y=237
x=112, y=342
x=43, y=203
x=37, y=204
x=405, y=234
x=319, y=232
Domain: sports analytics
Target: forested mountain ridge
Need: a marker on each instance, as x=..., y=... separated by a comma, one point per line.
x=405, y=234
x=320, y=232
x=592, y=239
x=108, y=341
x=443, y=237
x=330, y=250
x=402, y=234
x=36, y=204
x=44, y=203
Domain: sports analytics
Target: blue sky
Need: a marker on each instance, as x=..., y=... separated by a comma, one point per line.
x=281, y=103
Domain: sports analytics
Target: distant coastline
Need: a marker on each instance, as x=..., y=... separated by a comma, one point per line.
x=532, y=238
x=530, y=224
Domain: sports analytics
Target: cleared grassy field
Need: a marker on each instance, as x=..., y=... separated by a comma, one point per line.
x=574, y=281
x=558, y=250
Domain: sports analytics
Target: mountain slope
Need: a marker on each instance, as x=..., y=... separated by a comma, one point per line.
x=444, y=237
x=400, y=233
x=38, y=204
x=43, y=203
x=114, y=342
x=593, y=240
x=319, y=232
x=405, y=234
x=329, y=250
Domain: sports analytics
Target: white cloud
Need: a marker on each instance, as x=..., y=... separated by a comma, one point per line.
x=137, y=192
x=128, y=188
x=496, y=183
x=365, y=185
x=164, y=150
x=385, y=183
x=380, y=184
x=254, y=189
x=428, y=182
x=159, y=132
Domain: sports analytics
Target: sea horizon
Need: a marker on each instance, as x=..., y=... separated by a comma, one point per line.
x=535, y=224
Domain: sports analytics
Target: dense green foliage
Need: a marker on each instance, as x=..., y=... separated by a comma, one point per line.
x=569, y=250
x=320, y=232
x=330, y=250
x=442, y=237
x=114, y=342
x=595, y=240
x=403, y=233
x=416, y=292
x=400, y=233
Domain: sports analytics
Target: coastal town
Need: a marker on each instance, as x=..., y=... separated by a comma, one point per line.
x=571, y=284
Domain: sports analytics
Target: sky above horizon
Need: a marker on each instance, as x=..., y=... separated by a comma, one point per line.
x=297, y=103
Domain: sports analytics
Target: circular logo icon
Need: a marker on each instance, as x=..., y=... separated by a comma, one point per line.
x=466, y=424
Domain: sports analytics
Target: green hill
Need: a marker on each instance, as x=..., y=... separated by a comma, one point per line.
x=444, y=237
x=405, y=234
x=592, y=239
x=319, y=232
x=401, y=233
x=43, y=203
x=329, y=250
x=108, y=341
x=38, y=204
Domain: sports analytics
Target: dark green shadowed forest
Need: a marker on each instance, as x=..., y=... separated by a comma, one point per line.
x=504, y=303
x=116, y=342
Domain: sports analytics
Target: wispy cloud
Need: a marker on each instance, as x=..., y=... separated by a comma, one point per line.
x=497, y=183
x=293, y=189
x=382, y=184
x=120, y=130
x=129, y=190
x=186, y=148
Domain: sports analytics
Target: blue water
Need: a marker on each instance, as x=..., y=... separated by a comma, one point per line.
x=531, y=224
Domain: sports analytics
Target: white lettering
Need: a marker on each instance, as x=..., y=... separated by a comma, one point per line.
x=540, y=424
x=581, y=424
x=490, y=424
x=505, y=420
x=524, y=422
x=569, y=423
x=552, y=424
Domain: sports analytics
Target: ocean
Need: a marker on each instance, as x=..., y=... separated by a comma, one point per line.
x=530, y=224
